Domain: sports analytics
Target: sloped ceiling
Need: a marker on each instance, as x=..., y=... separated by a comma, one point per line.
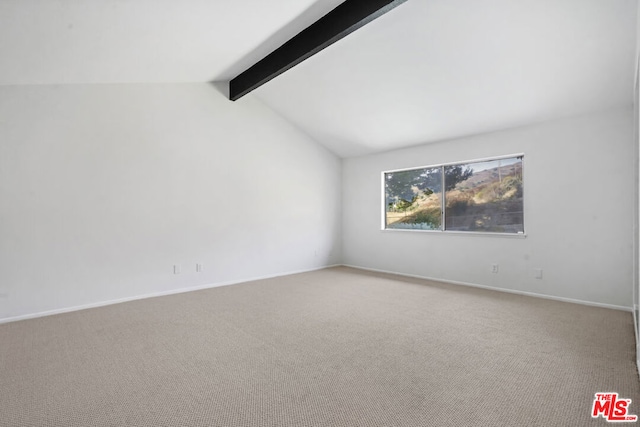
x=428, y=70
x=137, y=41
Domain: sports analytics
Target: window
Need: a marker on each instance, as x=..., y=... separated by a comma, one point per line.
x=478, y=196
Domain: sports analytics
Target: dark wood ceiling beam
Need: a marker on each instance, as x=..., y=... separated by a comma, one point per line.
x=341, y=21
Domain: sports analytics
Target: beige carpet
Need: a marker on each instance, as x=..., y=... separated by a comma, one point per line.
x=337, y=347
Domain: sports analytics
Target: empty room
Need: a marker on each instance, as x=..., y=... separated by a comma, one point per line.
x=319, y=213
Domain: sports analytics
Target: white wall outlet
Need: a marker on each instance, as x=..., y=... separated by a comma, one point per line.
x=176, y=269
x=495, y=268
x=537, y=273
x=199, y=268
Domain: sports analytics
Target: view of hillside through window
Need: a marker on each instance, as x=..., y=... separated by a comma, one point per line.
x=484, y=196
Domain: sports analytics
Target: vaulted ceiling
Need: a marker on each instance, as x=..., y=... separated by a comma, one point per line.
x=428, y=70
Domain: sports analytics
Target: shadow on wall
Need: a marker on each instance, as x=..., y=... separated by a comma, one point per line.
x=222, y=87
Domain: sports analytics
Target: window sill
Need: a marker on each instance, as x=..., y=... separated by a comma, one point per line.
x=459, y=233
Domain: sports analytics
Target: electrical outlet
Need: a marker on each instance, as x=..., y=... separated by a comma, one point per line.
x=199, y=268
x=494, y=268
x=537, y=273
x=176, y=269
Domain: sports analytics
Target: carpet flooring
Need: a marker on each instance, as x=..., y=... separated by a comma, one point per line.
x=335, y=347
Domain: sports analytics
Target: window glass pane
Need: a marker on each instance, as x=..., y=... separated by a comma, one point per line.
x=485, y=196
x=413, y=199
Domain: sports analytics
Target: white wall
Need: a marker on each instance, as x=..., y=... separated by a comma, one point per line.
x=578, y=182
x=636, y=192
x=636, y=217
x=103, y=188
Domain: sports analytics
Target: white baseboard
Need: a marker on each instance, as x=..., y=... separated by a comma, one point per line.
x=155, y=294
x=251, y=279
x=635, y=322
x=493, y=288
